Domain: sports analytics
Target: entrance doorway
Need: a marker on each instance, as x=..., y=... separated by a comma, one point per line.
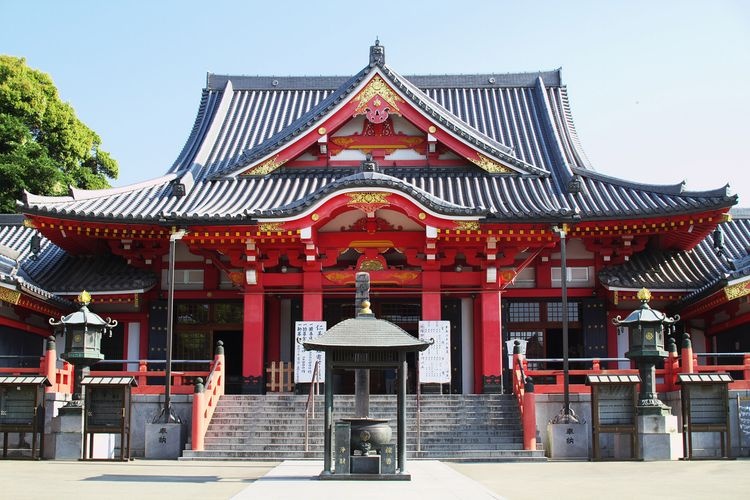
x=232, y=340
x=406, y=313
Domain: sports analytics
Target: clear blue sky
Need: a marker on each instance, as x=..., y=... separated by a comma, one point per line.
x=658, y=88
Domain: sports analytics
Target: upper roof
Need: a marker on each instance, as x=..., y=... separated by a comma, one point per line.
x=243, y=118
x=520, y=120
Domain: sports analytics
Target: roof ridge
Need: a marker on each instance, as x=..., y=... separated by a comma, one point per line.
x=216, y=81
x=84, y=194
x=669, y=189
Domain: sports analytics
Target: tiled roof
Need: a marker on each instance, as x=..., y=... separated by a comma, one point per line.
x=523, y=118
x=53, y=272
x=698, y=270
x=512, y=198
x=244, y=118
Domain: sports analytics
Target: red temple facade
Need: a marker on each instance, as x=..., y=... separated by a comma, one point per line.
x=453, y=192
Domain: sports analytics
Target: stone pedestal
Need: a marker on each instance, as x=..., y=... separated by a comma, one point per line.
x=163, y=441
x=658, y=437
x=568, y=441
x=368, y=464
x=67, y=434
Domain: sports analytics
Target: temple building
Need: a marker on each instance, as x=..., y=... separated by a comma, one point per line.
x=452, y=191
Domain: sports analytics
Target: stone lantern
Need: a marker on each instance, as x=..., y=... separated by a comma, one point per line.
x=83, y=332
x=647, y=330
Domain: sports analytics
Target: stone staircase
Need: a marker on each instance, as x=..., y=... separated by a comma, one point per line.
x=469, y=428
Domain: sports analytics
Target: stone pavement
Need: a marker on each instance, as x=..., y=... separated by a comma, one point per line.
x=147, y=479
x=430, y=480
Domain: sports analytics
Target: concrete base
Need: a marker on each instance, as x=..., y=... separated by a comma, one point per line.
x=658, y=438
x=67, y=435
x=568, y=441
x=364, y=477
x=163, y=441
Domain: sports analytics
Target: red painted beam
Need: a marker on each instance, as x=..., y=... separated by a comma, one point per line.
x=24, y=327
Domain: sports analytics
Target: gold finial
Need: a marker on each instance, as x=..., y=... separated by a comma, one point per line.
x=644, y=295
x=84, y=298
x=365, y=307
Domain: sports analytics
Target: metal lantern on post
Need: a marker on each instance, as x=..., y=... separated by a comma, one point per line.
x=83, y=332
x=647, y=329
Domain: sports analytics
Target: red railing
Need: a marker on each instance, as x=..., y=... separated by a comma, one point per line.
x=205, y=400
x=528, y=381
x=182, y=381
x=62, y=378
x=550, y=381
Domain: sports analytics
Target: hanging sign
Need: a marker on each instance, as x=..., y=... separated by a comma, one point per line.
x=304, y=361
x=435, y=361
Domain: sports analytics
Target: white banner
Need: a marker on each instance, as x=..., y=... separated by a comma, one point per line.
x=304, y=361
x=435, y=361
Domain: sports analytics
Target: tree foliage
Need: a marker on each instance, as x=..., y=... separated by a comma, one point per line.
x=44, y=147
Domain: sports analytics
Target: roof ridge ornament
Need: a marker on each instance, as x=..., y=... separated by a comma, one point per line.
x=377, y=54
x=368, y=164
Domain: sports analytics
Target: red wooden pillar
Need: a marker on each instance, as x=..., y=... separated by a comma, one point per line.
x=312, y=298
x=491, y=350
x=431, y=305
x=253, y=331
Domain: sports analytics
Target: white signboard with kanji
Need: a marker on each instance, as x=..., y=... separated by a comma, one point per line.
x=304, y=361
x=435, y=361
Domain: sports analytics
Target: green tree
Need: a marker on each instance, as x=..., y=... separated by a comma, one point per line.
x=44, y=147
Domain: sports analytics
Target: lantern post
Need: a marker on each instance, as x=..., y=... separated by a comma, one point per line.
x=658, y=432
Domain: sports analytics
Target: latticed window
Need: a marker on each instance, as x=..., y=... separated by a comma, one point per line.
x=523, y=312
x=192, y=345
x=229, y=312
x=191, y=313
x=554, y=311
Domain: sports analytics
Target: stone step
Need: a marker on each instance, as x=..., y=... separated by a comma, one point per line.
x=318, y=431
x=473, y=456
x=453, y=427
x=493, y=443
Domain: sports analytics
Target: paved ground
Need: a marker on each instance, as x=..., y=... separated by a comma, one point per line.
x=145, y=480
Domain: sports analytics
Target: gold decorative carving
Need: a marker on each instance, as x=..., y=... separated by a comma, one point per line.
x=270, y=227
x=368, y=202
x=29, y=223
x=371, y=265
x=422, y=216
x=9, y=296
x=315, y=217
x=467, y=225
x=432, y=129
x=489, y=165
x=377, y=87
x=737, y=290
x=376, y=197
x=322, y=131
x=380, y=277
x=266, y=167
x=644, y=294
